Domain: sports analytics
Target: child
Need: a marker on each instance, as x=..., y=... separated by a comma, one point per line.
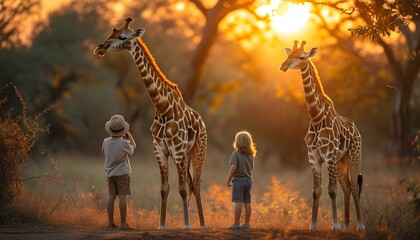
x=240, y=174
x=117, y=147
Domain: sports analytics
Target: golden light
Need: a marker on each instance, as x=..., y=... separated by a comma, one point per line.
x=119, y=7
x=286, y=17
x=180, y=6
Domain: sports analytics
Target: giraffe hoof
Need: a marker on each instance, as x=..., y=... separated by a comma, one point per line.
x=336, y=227
x=161, y=227
x=360, y=227
x=313, y=227
x=204, y=227
x=187, y=227
x=346, y=228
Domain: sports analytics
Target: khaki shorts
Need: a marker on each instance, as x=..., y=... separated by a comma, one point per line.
x=119, y=185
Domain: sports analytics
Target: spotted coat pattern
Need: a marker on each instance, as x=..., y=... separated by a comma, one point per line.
x=178, y=130
x=331, y=139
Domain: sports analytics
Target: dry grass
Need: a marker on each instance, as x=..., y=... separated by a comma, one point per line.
x=281, y=199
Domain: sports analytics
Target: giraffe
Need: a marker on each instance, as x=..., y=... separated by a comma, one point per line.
x=331, y=139
x=178, y=131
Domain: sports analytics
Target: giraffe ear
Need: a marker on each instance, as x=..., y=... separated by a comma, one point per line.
x=288, y=50
x=139, y=32
x=313, y=52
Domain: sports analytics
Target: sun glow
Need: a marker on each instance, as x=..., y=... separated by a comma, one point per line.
x=286, y=17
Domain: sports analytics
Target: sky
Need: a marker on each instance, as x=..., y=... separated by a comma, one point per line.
x=50, y=5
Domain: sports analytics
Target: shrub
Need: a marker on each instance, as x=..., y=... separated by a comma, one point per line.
x=18, y=133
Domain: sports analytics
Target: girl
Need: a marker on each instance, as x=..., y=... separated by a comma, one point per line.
x=240, y=175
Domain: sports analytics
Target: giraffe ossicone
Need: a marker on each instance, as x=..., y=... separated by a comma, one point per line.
x=331, y=139
x=178, y=130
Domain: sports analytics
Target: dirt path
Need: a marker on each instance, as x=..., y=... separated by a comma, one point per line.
x=35, y=233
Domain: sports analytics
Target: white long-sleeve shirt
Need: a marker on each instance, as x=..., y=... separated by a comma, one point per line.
x=116, y=152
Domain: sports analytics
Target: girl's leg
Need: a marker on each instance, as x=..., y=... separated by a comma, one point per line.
x=110, y=209
x=238, y=210
x=123, y=208
x=248, y=210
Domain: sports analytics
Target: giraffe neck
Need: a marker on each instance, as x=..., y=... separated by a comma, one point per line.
x=317, y=102
x=162, y=92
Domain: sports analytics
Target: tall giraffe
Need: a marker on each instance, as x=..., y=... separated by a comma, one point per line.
x=178, y=131
x=331, y=138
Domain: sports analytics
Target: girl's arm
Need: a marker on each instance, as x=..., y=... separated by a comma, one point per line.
x=232, y=171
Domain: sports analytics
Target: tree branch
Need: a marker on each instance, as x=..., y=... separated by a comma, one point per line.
x=200, y=6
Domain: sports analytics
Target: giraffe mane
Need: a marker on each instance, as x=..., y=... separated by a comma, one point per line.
x=318, y=80
x=156, y=67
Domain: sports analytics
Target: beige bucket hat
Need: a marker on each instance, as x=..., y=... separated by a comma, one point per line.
x=117, y=126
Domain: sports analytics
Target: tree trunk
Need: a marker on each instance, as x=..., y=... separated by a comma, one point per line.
x=405, y=75
x=196, y=63
x=213, y=17
x=401, y=123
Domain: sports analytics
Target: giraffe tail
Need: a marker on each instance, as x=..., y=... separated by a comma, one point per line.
x=189, y=181
x=360, y=182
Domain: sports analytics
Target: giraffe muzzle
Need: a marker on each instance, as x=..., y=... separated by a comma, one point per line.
x=100, y=50
x=284, y=67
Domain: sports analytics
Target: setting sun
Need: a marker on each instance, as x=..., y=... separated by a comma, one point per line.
x=286, y=17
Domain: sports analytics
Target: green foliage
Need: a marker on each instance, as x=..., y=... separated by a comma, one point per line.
x=18, y=133
x=384, y=17
x=58, y=60
x=413, y=189
x=85, y=115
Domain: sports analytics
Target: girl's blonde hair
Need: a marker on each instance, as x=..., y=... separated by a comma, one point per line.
x=244, y=144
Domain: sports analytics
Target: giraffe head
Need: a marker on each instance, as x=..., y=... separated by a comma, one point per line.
x=297, y=57
x=119, y=40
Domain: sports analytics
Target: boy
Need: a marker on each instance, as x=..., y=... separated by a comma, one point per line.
x=116, y=148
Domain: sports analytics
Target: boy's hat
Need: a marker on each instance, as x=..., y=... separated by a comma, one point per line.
x=117, y=126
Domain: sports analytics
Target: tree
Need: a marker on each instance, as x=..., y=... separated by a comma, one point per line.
x=213, y=17
x=377, y=20
x=57, y=65
x=12, y=14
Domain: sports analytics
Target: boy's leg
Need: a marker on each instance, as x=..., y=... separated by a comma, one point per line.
x=248, y=210
x=110, y=209
x=238, y=210
x=123, y=208
x=123, y=213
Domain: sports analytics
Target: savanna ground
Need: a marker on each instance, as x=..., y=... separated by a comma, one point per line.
x=65, y=198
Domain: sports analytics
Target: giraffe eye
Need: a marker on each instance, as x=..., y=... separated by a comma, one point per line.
x=122, y=37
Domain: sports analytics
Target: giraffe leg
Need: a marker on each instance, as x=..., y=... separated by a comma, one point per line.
x=356, y=179
x=164, y=187
x=189, y=179
x=198, y=156
x=332, y=191
x=356, y=185
x=343, y=178
x=181, y=165
x=317, y=189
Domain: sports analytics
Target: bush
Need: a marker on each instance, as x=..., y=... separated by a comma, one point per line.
x=18, y=133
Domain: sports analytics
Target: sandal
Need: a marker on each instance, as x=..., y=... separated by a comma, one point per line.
x=126, y=226
x=235, y=227
x=111, y=226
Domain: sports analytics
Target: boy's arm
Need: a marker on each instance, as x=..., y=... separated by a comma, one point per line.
x=232, y=171
x=131, y=139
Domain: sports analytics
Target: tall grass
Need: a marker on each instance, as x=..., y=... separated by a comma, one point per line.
x=76, y=197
